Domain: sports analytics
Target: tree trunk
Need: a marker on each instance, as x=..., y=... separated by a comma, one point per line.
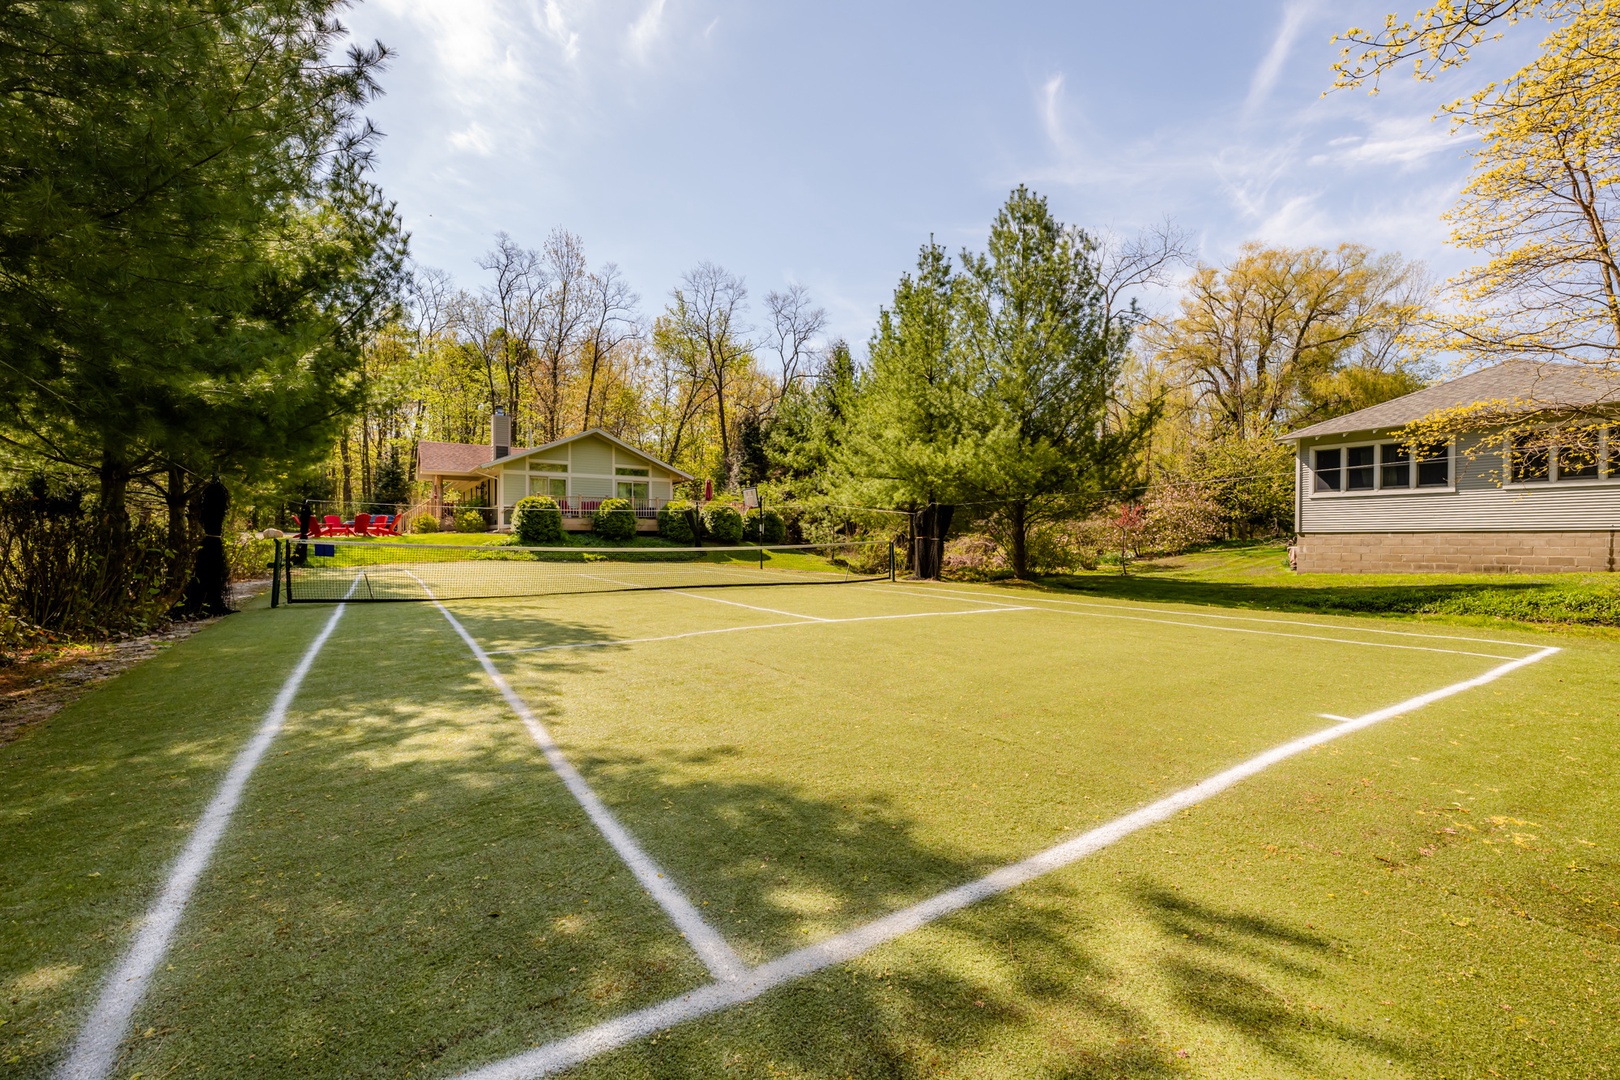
x=929, y=545
x=343, y=456
x=179, y=536
x=210, y=573
x=1018, y=524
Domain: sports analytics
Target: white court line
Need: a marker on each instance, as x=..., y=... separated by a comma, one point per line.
x=706, y=1000
x=740, y=629
x=750, y=607
x=1247, y=630
x=1235, y=618
x=723, y=963
x=95, y=1051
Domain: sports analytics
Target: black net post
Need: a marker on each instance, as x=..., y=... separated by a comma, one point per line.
x=891, y=560
x=275, y=576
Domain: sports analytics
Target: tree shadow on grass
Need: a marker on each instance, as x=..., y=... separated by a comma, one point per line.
x=1219, y=975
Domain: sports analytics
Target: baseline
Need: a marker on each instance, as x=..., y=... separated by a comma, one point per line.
x=1266, y=633
x=1236, y=618
x=95, y=1051
x=715, y=997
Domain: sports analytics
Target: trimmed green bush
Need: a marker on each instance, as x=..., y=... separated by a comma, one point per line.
x=425, y=523
x=615, y=519
x=672, y=523
x=723, y=523
x=764, y=527
x=470, y=521
x=537, y=520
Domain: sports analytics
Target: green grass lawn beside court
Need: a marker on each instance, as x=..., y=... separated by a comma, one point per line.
x=408, y=889
x=1255, y=574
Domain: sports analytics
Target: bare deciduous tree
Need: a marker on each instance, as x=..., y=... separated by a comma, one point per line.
x=612, y=322
x=795, y=324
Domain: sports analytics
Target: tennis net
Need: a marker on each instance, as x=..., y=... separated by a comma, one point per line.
x=316, y=571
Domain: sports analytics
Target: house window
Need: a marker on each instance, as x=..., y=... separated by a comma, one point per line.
x=1394, y=466
x=1578, y=454
x=1327, y=469
x=623, y=471
x=1358, y=468
x=1434, y=465
x=1612, y=438
x=546, y=485
x=548, y=466
x=1530, y=458
x=632, y=491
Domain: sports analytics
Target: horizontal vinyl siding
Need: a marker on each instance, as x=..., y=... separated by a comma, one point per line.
x=591, y=455
x=590, y=487
x=1478, y=504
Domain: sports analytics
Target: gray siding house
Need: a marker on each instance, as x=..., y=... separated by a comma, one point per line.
x=1549, y=501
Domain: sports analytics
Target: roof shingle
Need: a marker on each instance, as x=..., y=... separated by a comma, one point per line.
x=1536, y=385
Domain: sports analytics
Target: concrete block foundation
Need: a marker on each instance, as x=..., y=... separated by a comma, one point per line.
x=1590, y=551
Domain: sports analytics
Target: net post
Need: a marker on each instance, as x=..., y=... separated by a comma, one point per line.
x=275, y=576
x=891, y=559
x=287, y=568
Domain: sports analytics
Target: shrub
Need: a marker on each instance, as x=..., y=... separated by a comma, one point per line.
x=469, y=521
x=764, y=527
x=672, y=522
x=614, y=520
x=723, y=523
x=425, y=523
x=537, y=520
x=63, y=572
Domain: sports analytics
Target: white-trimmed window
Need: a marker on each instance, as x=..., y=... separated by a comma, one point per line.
x=1363, y=468
x=623, y=470
x=632, y=490
x=554, y=486
x=1580, y=454
x=547, y=466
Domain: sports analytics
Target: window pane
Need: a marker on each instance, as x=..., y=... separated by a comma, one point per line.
x=1434, y=466
x=623, y=471
x=1394, y=466
x=1358, y=468
x=1613, y=437
x=559, y=489
x=1327, y=470
x=1578, y=455
x=548, y=466
x=1531, y=458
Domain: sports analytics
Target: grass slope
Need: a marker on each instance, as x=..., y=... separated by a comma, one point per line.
x=407, y=890
x=1256, y=575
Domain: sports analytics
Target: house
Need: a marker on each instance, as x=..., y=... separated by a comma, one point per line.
x=1548, y=500
x=579, y=472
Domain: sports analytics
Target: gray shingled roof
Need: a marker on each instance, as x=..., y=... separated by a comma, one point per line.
x=1537, y=385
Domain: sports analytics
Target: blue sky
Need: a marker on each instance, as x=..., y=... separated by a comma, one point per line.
x=823, y=143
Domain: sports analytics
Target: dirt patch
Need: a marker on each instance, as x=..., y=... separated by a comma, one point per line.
x=48, y=678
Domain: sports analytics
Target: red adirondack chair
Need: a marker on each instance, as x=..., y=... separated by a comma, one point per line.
x=335, y=526
x=383, y=525
x=362, y=525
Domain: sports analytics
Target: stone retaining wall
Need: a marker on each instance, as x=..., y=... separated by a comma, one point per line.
x=1455, y=552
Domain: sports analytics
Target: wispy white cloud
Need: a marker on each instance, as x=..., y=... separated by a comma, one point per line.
x=645, y=30
x=556, y=27
x=1265, y=75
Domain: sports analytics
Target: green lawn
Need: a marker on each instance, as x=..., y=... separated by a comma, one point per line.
x=407, y=888
x=1256, y=574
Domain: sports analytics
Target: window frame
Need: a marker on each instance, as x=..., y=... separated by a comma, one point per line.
x=1608, y=455
x=632, y=471
x=1412, y=461
x=632, y=484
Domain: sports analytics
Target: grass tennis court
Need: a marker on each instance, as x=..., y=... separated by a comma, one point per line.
x=407, y=886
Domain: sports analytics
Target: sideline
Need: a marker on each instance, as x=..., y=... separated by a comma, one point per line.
x=715, y=997
x=95, y=1051
x=723, y=963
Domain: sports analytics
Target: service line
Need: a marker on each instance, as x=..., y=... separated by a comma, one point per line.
x=715, y=997
x=95, y=1051
x=740, y=629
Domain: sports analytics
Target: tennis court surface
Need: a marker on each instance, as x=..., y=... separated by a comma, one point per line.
x=874, y=829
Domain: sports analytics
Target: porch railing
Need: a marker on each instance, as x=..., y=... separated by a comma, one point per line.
x=577, y=506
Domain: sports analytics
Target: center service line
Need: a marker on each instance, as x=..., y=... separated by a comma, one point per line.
x=705, y=1000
